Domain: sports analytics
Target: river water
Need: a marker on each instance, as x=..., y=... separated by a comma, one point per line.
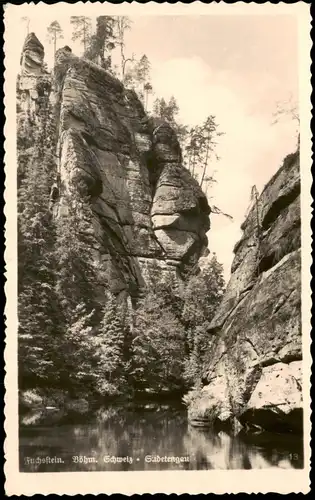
x=148, y=438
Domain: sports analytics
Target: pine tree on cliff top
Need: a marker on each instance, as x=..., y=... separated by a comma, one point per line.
x=82, y=30
x=102, y=42
x=54, y=33
x=138, y=78
x=123, y=24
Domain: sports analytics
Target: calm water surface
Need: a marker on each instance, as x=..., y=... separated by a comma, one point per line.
x=148, y=438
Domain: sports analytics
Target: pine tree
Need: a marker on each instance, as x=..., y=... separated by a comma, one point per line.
x=158, y=347
x=211, y=133
x=166, y=110
x=123, y=24
x=82, y=30
x=193, y=362
x=54, y=32
x=195, y=150
x=138, y=78
x=100, y=44
x=202, y=296
x=200, y=150
x=169, y=111
x=143, y=70
x=203, y=293
x=79, y=293
x=111, y=351
x=77, y=363
x=166, y=289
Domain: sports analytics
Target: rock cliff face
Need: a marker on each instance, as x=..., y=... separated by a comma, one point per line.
x=147, y=207
x=254, y=370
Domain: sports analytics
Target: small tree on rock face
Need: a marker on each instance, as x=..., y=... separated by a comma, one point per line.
x=167, y=111
x=201, y=149
x=143, y=70
x=54, y=33
x=210, y=131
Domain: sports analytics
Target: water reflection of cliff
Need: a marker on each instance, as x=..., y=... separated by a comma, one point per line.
x=157, y=433
x=224, y=451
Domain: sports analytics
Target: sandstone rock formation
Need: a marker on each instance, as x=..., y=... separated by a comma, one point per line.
x=254, y=369
x=32, y=57
x=32, y=92
x=147, y=207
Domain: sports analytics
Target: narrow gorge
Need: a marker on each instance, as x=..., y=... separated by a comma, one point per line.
x=87, y=139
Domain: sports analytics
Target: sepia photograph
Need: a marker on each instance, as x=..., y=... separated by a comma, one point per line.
x=158, y=222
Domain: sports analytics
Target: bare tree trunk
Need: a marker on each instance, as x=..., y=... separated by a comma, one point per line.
x=206, y=160
x=84, y=35
x=146, y=99
x=122, y=55
x=193, y=164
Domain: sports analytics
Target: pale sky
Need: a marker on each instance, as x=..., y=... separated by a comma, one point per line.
x=234, y=67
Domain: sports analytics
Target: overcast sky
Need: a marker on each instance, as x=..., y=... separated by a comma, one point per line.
x=235, y=67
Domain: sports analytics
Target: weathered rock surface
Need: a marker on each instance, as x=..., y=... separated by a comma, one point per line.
x=253, y=371
x=276, y=402
x=33, y=87
x=32, y=57
x=148, y=210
